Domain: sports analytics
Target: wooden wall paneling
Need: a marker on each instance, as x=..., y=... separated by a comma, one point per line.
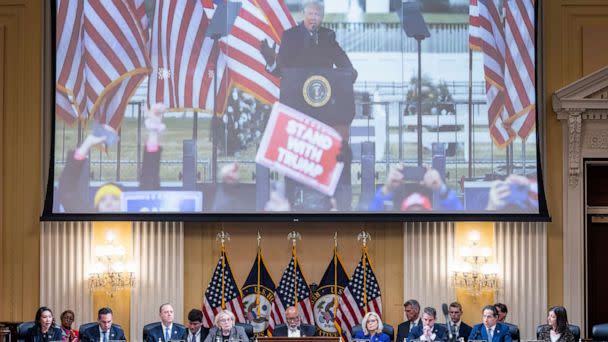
x=572, y=48
x=201, y=253
x=595, y=46
x=20, y=178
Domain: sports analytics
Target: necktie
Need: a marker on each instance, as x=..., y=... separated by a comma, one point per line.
x=167, y=335
x=105, y=336
x=315, y=37
x=491, y=333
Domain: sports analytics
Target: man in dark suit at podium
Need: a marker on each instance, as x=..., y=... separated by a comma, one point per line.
x=294, y=326
x=309, y=45
x=105, y=331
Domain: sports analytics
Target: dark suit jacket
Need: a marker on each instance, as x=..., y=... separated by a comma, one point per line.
x=501, y=333
x=178, y=332
x=298, y=50
x=545, y=335
x=92, y=334
x=34, y=335
x=441, y=332
x=403, y=330
x=305, y=330
x=202, y=336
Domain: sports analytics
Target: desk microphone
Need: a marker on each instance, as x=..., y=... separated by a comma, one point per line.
x=444, y=308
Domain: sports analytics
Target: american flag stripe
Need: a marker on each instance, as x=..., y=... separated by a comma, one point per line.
x=519, y=70
x=257, y=20
x=278, y=15
x=183, y=58
x=285, y=294
x=474, y=38
x=493, y=47
x=358, y=297
x=226, y=291
x=250, y=64
x=70, y=100
x=114, y=58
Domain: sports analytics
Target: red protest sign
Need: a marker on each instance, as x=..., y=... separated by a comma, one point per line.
x=302, y=148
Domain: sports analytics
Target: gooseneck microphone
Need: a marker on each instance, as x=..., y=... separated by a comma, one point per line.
x=444, y=308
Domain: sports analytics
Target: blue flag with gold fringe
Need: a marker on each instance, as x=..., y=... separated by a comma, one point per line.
x=326, y=297
x=258, y=295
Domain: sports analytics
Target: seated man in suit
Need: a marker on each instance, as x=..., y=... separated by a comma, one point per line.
x=167, y=330
x=429, y=331
x=104, y=331
x=412, y=314
x=196, y=331
x=294, y=326
x=490, y=330
x=502, y=318
x=457, y=326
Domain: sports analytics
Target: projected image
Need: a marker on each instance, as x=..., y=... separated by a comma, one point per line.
x=335, y=106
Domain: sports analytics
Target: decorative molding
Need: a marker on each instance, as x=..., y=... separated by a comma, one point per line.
x=574, y=147
x=597, y=140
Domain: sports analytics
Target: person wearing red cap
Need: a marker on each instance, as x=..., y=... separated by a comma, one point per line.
x=389, y=192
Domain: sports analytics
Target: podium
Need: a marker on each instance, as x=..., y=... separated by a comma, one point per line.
x=325, y=94
x=299, y=339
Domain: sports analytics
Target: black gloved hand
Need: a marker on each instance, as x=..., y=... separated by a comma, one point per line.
x=268, y=52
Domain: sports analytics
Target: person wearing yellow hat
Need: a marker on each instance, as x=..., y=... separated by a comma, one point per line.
x=107, y=198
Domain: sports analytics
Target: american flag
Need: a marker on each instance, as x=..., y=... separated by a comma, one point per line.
x=183, y=58
x=246, y=68
x=70, y=102
x=360, y=296
x=222, y=293
x=492, y=37
x=292, y=283
x=101, y=58
x=519, y=60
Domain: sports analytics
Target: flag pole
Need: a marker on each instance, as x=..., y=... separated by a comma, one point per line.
x=223, y=237
x=335, y=273
x=294, y=236
x=257, y=289
x=364, y=237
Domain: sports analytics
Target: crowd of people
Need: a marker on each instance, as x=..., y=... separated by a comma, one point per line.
x=416, y=327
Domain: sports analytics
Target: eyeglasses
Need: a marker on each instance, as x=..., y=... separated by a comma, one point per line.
x=293, y=319
x=224, y=320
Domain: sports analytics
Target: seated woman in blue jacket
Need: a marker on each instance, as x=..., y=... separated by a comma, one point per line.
x=372, y=329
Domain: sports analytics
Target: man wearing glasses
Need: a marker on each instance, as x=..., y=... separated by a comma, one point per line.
x=490, y=330
x=294, y=326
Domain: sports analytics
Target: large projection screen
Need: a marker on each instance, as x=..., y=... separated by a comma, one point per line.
x=295, y=110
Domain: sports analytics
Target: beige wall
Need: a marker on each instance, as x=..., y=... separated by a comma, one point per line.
x=20, y=157
x=575, y=43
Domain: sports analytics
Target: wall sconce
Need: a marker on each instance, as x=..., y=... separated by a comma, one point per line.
x=110, y=271
x=473, y=273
